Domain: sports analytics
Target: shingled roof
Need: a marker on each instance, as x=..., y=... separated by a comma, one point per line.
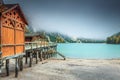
x=4, y=8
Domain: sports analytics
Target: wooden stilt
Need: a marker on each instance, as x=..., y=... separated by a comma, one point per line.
x=18, y=61
x=41, y=56
x=21, y=64
x=16, y=67
x=45, y=55
x=26, y=58
x=52, y=55
x=30, y=63
x=0, y=66
x=7, y=67
x=0, y=69
x=48, y=55
x=36, y=57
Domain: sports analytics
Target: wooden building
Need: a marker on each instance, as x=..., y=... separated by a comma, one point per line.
x=31, y=37
x=12, y=27
x=12, y=35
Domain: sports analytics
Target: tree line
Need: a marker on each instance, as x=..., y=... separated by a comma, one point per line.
x=113, y=40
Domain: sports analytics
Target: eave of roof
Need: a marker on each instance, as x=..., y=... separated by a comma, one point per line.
x=8, y=7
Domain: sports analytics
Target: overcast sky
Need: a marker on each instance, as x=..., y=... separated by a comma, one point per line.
x=77, y=18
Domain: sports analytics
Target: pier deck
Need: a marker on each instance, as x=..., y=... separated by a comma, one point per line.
x=32, y=50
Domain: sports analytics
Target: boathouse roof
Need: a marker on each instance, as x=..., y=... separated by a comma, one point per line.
x=31, y=34
x=4, y=8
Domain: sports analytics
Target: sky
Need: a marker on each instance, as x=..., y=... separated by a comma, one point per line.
x=95, y=19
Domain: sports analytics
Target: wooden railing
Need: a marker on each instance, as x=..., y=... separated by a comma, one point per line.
x=33, y=45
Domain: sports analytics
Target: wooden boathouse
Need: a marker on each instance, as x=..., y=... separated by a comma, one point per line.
x=31, y=37
x=12, y=27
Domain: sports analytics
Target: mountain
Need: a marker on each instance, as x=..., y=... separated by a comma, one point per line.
x=62, y=38
x=86, y=40
x=59, y=38
x=114, y=39
x=51, y=36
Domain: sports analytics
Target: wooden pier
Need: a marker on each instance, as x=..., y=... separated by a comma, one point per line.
x=32, y=50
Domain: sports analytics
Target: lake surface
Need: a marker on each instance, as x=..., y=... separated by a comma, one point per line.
x=89, y=50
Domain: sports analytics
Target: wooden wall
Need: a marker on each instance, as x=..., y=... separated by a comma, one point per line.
x=12, y=30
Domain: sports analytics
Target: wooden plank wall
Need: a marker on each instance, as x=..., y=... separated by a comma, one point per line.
x=12, y=31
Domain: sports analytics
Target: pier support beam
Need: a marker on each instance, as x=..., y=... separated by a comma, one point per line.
x=43, y=55
x=21, y=64
x=41, y=58
x=16, y=67
x=30, y=63
x=26, y=57
x=7, y=67
x=48, y=55
x=0, y=63
x=37, y=57
x=0, y=66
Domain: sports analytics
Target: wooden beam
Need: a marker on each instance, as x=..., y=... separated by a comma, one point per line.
x=7, y=67
x=16, y=67
x=21, y=63
x=30, y=63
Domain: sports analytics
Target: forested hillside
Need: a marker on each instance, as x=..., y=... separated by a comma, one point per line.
x=114, y=39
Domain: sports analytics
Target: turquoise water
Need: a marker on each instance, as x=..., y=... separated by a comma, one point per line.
x=89, y=50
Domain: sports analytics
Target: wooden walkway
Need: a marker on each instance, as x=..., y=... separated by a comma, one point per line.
x=32, y=50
